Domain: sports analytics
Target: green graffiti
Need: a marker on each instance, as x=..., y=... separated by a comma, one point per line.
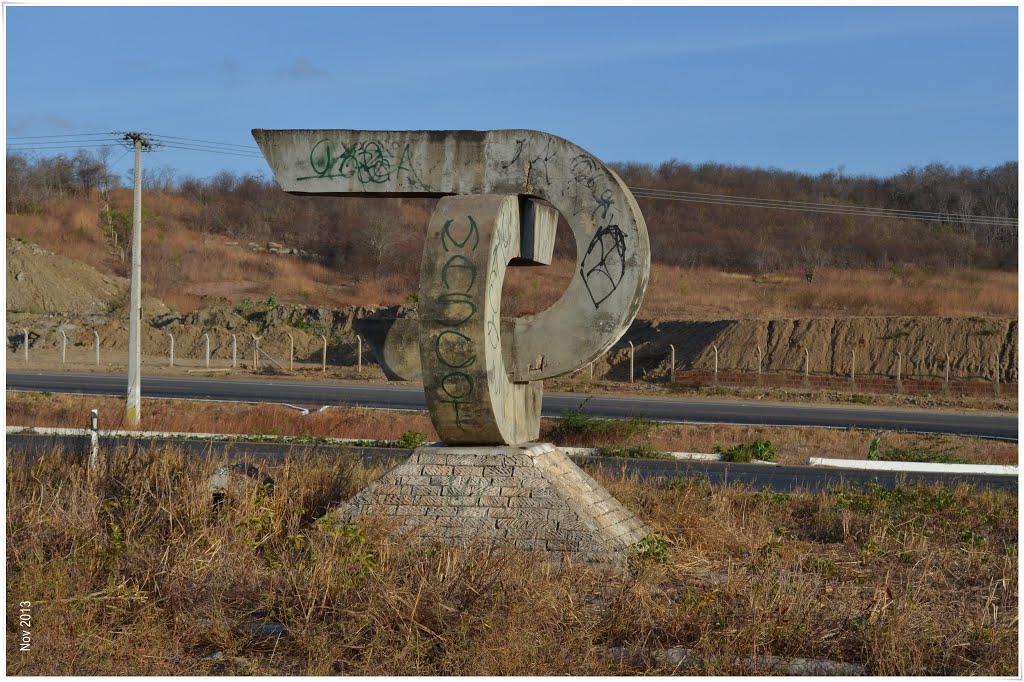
x=451, y=300
x=370, y=163
x=471, y=233
x=459, y=262
x=445, y=361
x=462, y=378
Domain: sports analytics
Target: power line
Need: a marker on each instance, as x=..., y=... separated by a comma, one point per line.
x=252, y=152
x=211, y=150
x=861, y=211
x=96, y=144
x=781, y=203
x=249, y=147
x=38, y=137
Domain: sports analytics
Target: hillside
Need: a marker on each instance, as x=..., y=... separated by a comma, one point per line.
x=56, y=293
x=188, y=269
x=742, y=243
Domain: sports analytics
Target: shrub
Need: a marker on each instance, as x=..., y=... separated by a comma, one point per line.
x=762, y=450
x=932, y=449
x=642, y=451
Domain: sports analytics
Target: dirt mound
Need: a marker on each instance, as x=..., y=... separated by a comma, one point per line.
x=975, y=346
x=276, y=326
x=39, y=281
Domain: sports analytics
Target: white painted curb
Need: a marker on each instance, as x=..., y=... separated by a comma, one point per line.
x=693, y=456
x=923, y=467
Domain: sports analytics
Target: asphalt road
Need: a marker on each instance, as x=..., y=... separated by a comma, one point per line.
x=22, y=449
x=694, y=410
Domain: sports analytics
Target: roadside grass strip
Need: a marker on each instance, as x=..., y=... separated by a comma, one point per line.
x=304, y=440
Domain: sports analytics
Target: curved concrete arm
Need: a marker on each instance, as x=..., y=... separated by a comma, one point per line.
x=612, y=248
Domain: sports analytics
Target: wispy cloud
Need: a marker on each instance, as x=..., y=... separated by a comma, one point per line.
x=47, y=121
x=303, y=68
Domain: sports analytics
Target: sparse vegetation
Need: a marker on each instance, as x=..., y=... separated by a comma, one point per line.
x=755, y=450
x=575, y=427
x=642, y=451
x=71, y=206
x=925, y=448
x=132, y=572
x=794, y=445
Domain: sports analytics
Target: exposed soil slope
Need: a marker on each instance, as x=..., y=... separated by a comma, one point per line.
x=974, y=345
x=48, y=293
x=39, y=281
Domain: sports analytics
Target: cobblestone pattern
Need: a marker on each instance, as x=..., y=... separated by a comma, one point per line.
x=530, y=497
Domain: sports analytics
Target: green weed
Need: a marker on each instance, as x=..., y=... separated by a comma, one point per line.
x=761, y=450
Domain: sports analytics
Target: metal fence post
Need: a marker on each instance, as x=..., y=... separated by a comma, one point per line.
x=359, y=355
x=63, y=347
x=207, y=337
x=234, y=351
x=807, y=369
x=899, y=372
x=291, y=353
x=853, y=364
x=631, y=360
x=255, y=352
x=945, y=382
x=591, y=370
x=94, y=439
x=672, y=363
x=325, y=353
x=172, y=348
x=760, y=359
x=26, y=344
x=714, y=380
x=995, y=386
x=97, y=335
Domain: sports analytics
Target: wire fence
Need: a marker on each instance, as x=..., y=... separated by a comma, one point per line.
x=221, y=351
x=214, y=351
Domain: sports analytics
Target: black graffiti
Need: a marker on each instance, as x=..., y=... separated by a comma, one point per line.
x=604, y=203
x=584, y=186
x=458, y=414
x=534, y=158
x=519, y=150
x=604, y=264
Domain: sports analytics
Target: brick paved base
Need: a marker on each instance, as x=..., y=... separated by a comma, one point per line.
x=531, y=497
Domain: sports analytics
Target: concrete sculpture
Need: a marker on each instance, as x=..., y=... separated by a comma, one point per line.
x=501, y=194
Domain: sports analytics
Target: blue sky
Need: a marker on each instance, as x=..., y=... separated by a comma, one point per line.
x=871, y=90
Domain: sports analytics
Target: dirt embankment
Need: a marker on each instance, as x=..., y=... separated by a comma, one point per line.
x=47, y=293
x=975, y=346
x=41, y=282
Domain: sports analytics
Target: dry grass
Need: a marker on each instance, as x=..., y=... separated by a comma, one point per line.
x=192, y=416
x=678, y=293
x=187, y=269
x=795, y=445
x=131, y=572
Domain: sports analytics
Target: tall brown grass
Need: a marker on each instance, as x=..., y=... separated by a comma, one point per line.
x=678, y=293
x=187, y=269
x=132, y=571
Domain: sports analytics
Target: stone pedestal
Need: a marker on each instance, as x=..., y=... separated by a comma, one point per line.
x=532, y=497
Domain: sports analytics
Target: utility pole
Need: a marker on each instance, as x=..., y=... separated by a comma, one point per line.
x=139, y=142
